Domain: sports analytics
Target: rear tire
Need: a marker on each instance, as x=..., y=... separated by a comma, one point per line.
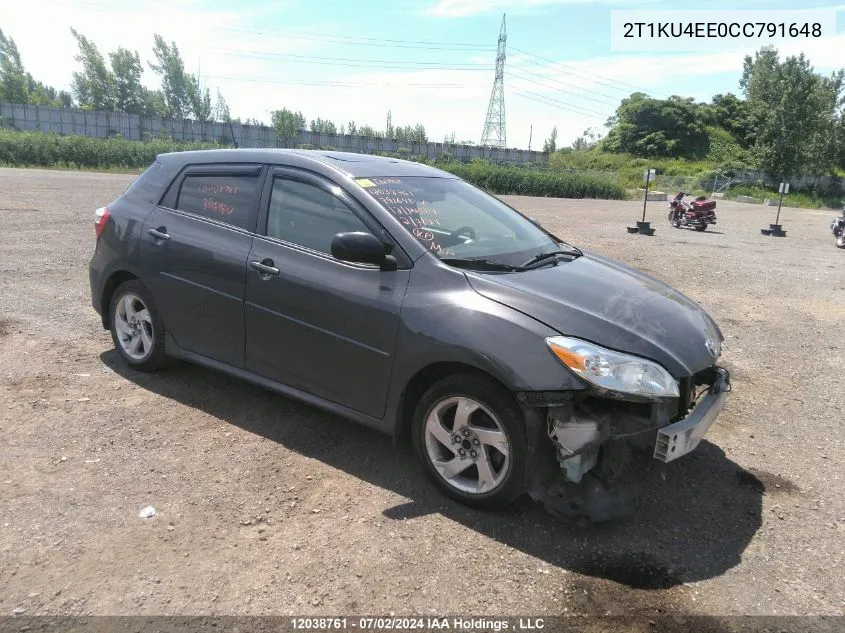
x=469, y=434
x=136, y=327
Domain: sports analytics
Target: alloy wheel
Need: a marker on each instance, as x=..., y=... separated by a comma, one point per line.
x=467, y=445
x=134, y=327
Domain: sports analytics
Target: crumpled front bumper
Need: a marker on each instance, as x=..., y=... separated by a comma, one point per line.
x=682, y=437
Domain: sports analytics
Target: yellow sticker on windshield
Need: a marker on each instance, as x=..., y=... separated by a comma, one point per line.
x=365, y=182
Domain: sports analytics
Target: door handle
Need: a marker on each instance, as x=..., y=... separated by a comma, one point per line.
x=160, y=233
x=265, y=268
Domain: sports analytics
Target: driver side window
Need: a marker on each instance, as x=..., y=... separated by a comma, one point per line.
x=308, y=216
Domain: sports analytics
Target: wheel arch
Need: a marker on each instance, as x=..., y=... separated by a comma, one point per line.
x=112, y=283
x=424, y=378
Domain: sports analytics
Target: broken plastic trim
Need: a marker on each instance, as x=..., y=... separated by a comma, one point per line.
x=682, y=437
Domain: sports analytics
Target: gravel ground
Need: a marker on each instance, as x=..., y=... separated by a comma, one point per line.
x=267, y=506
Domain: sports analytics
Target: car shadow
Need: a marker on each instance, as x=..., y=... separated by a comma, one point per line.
x=694, y=521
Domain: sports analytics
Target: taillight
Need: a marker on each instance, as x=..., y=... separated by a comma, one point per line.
x=101, y=219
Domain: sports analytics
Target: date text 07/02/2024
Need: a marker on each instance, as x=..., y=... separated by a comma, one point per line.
x=416, y=623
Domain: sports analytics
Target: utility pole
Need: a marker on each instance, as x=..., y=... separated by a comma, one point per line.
x=530, y=136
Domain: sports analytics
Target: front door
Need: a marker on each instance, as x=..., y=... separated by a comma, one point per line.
x=312, y=322
x=196, y=258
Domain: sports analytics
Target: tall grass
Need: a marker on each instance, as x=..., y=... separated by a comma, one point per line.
x=534, y=182
x=39, y=149
x=795, y=199
x=628, y=170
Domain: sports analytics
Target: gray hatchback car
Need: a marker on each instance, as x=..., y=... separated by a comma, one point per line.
x=404, y=298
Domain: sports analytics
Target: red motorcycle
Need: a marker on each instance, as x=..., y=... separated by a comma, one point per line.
x=697, y=214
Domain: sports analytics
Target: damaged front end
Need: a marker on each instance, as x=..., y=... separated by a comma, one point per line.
x=584, y=443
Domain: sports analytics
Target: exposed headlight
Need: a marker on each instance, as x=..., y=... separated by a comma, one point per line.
x=613, y=370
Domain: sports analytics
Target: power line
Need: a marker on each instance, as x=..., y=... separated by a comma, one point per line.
x=338, y=84
x=401, y=43
x=613, y=83
x=367, y=41
x=561, y=105
x=325, y=37
x=364, y=62
x=565, y=84
x=539, y=83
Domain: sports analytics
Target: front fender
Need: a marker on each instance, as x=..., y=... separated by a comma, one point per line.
x=456, y=324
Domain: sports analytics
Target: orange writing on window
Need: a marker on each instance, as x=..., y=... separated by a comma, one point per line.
x=217, y=206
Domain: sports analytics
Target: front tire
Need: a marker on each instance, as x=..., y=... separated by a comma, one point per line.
x=136, y=327
x=701, y=227
x=673, y=221
x=470, y=436
x=840, y=241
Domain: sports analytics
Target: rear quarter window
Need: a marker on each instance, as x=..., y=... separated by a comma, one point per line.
x=148, y=174
x=226, y=198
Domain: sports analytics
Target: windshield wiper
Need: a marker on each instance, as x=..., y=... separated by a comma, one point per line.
x=544, y=257
x=479, y=264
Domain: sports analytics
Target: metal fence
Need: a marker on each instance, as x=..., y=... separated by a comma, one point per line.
x=100, y=124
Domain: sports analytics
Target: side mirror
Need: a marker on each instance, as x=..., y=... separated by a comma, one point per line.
x=362, y=248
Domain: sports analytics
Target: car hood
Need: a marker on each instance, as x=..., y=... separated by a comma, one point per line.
x=611, y=304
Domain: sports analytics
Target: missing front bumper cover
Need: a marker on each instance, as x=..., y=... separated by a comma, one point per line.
x=682, y=437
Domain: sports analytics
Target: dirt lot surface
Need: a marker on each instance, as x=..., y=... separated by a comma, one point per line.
x=266, y=506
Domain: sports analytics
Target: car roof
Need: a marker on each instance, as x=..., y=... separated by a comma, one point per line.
x=347, y=163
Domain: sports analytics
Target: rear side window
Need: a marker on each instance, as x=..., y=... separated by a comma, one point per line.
x=226, y=198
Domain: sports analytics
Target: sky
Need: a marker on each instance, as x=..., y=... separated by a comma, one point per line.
x=425, y=61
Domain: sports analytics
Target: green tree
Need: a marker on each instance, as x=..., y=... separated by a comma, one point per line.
x=588, y=140
x=171, y=71
x=94, y=86
x=13, y=88
x=794, y=114
x=154, y=103
x=198, y=99
x=351, y=128
x=368, y=132
x=410, y=134
x=288, y=123
x=129, y=93
x=323, y=126
x=550, y=143
x=221, y=109
x=420, y=135
x=644, y=126
x=39, y=93
x=731, y=113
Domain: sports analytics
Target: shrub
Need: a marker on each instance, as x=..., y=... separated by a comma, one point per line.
x=534, y=182
x=39, y=149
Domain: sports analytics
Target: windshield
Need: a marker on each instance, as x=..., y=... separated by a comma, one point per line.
x=455, y=220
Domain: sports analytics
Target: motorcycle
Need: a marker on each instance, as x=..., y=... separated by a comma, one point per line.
x=697, y=214
x=837, y=227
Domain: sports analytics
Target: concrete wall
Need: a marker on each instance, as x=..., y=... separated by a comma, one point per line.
x=134, y=127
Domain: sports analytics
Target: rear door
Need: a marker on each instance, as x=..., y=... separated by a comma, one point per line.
x=320, y=325
x=195, y=248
